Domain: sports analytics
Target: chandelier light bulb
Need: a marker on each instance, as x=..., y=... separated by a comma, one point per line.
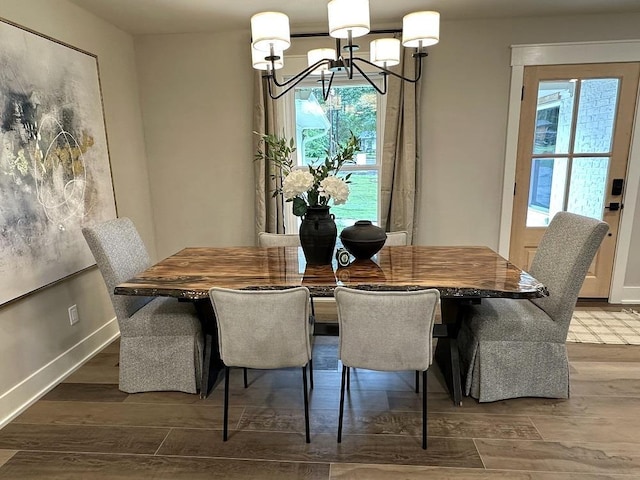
x=348, y=16
x=385, y=52
x=270, y=29
x=259, y=63
x=318, y=54
x=421, y=29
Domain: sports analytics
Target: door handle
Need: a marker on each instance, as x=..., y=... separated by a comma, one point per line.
x=614, y=206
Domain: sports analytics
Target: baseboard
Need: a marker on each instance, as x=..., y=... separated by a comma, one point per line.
x=630, y=295
x=21, y=396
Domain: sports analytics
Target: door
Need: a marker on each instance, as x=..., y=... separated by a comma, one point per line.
x=573, y=144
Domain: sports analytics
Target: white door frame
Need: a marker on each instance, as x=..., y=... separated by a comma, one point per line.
x=561, y=54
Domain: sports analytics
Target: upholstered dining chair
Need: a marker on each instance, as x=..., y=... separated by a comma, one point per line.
x=266, y=239
x=263, y=330
x=397, y=239
x=516, y=348
x=386, y=331
x=161, y=341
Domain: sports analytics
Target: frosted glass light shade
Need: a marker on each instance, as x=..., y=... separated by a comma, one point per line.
x=421, y=26
x=345, y=15
x=270, y=28
x=318, y=54
x=259, y=63
x=385, y=52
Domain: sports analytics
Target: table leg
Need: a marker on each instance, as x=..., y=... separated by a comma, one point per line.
x=446, y=353
x=211, y=363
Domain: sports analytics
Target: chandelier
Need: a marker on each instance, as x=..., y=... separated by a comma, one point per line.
x=348, y=19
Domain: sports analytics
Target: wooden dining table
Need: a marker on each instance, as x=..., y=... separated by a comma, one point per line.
x=462, y=274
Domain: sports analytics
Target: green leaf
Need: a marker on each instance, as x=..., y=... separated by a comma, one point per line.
x=299, y=207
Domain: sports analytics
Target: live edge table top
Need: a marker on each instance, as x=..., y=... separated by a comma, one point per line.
x=457, y=272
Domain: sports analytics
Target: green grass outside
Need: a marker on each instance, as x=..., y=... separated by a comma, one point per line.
x=362, y=203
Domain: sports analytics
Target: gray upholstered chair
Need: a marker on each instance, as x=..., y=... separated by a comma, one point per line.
x=161, y=340
x=516, y=348
x=263, y=330
x=266, y=239
x=397, y=239
x=386, y=331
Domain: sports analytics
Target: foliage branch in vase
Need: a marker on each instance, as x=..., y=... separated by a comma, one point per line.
x=313, y=187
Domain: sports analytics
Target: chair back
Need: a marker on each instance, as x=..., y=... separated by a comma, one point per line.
x=387, y=330
x=278, y=239
x=262, y=328
x=562, y=260
x=395, y=239
x=120, y=255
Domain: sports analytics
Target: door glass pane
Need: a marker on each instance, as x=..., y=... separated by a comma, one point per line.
x=587, y=188
x=546, y=190
x=596, y=115
x=553, y=117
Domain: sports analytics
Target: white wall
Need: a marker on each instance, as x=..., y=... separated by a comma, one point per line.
x=37, y=343
x=196, y=93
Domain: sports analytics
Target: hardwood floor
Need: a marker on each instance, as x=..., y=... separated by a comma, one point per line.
x=86, y=428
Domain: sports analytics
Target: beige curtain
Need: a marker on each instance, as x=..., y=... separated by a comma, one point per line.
x=267, y=119
x=401, y=151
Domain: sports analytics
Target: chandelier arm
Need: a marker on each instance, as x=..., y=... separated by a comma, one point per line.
x=292, y=82
x=268, y=78
x=298, y=77
x=397, y=75
x=371, y=82
x=327, y=91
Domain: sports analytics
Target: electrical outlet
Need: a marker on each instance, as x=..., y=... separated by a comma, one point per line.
x=73, y=315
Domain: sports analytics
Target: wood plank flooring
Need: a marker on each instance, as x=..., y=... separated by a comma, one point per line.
x=86, y=428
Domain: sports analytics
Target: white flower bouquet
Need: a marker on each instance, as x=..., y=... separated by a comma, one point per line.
x=313, y=187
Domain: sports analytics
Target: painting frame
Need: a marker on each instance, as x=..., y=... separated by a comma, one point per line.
x=55, y=168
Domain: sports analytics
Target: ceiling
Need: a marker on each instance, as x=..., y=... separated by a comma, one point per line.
x=143, y=17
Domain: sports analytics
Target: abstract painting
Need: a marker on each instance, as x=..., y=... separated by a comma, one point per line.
x=55, y=174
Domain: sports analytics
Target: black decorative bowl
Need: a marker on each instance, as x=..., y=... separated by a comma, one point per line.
x=363, y=239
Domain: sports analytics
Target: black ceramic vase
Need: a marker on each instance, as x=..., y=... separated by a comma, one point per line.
x=318, y=234
x=363, y=239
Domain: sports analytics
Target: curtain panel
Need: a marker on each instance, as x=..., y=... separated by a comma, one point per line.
x=268, y=118
x=401, y=151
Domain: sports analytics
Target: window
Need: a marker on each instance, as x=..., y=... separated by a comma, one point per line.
x=319, y=124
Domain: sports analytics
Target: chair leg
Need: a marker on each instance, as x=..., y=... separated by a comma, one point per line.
x=226, y=404
x=306, y=404
x=418, y=381
x=348, y=378
x=424, y=410
x=244, y=373
x=311, y=372
x=345, y=371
